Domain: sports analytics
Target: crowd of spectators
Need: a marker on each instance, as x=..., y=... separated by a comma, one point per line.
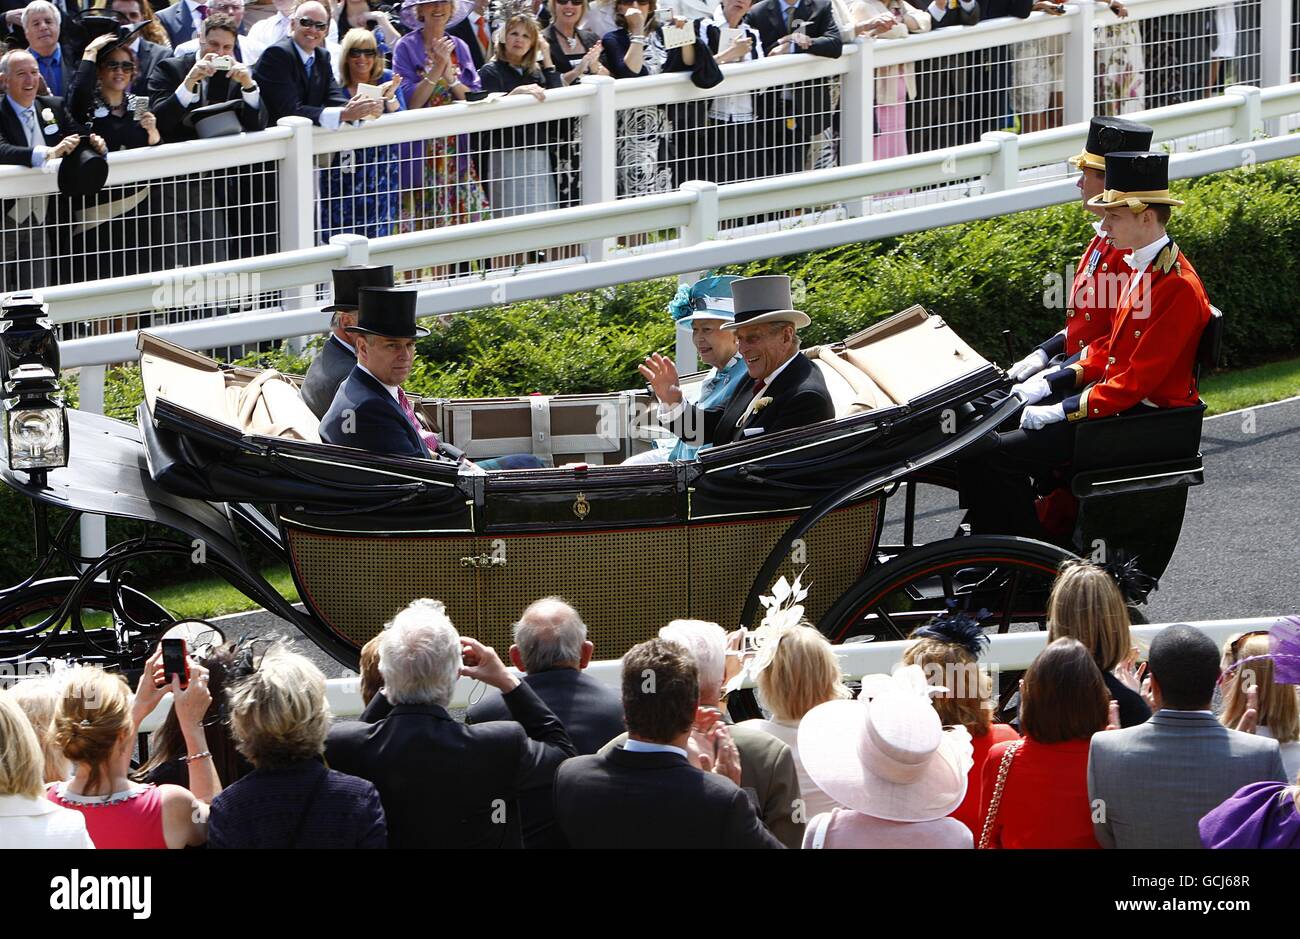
x=204, y=70
x=546, y=756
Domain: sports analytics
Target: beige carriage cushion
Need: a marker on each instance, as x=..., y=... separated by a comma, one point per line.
x=200, y=390
x=911, y=353
x=269, y=406
x=851, y=389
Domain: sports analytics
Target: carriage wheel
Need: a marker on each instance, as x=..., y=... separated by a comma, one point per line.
x=92, y=628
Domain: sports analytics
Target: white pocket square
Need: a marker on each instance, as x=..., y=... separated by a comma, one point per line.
x=751, y=431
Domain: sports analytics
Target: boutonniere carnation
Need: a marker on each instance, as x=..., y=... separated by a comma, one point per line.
x=47, y=115
x=761, y=403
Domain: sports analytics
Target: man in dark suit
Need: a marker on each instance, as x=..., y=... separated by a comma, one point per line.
x=1151, y=784
x=148, y=54
x=475, y=30
x=182, y=84
x=297, y=77
x=648, y=793
x=793, y=116
x=787, y=390
x=34, y=129
x=338, y=356
x=445, y=784
x=939, y=116
x=181, y=20
x=552, y=649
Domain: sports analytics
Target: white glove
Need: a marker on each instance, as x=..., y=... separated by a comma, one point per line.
x=1032, y=391
x=1036, y=418
x=1031, y=364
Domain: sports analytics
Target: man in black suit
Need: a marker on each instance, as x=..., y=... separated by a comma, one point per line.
x=181, y=20
x=338, y=356
x=787, y=390
x=940, y=115
x=648, y=793
x=795, y=115
x=297, y=77
x=475, y=30
x=552, y=649
x=445, y=784
x=34, y=129
x=182, y=84
x=147, y=54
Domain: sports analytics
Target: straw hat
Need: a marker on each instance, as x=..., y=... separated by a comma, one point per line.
x=888, y=757
x=459, y=10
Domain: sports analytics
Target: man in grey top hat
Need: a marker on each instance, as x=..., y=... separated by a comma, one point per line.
x=786, y=389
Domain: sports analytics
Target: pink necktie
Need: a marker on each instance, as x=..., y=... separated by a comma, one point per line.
x=429, y=437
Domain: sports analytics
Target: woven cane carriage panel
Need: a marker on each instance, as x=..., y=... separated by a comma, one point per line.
x=726, y=557
x=626, y=584
x=356, y=584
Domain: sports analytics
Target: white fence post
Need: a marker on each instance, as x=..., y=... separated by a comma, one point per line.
x=857, y=114
x=1274, y=50
x=702, y=227
x=1248, y=122
x=358, y=248
x=599, y=154
x=90, y=398
x=1079, y=66
x=298, y=201
x=1006, y=162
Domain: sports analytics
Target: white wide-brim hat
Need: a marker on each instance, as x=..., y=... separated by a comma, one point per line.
x=888, y=757
x=459, y=10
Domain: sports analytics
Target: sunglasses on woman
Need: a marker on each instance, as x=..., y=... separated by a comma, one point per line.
x=569, y=3
x=362, y=53
x=119, y=66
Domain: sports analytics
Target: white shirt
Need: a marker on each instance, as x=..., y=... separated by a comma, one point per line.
x=937, y=9
x=392, y=389
x=474, y=19
x=27, y=822
x=329, y=117
x=248, y=49
x=732, y=108
x=643, y=746
x=266, y=32
x=1141, y=259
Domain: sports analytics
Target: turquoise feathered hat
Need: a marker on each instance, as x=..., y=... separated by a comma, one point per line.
x=709, y=298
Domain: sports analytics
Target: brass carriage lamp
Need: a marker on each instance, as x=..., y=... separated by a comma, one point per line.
x=36, y=422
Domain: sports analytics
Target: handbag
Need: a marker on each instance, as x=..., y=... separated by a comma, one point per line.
x=1003, y=769
x=705, y=73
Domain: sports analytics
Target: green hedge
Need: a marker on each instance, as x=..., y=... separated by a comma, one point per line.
x=1240, y=229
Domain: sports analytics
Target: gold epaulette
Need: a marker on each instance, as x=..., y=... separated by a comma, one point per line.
x=1167, y=259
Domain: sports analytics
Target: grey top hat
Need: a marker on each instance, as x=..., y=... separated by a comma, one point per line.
x=764, y=300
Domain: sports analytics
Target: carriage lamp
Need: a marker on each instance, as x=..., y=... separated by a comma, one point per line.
x=36, y=423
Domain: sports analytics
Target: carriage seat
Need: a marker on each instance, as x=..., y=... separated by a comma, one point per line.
x=265, y=404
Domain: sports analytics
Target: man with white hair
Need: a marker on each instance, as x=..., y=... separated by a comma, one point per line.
x=43, y=25
x=445, y=784
x=552, y=649
x=766, y=763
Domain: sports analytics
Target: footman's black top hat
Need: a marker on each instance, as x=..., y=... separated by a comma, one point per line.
x=386, y=311
x=1136, y=180
x=348, y=280
x=1111, y=135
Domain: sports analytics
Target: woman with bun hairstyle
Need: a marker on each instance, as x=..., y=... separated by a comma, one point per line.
x=95, y=728
x=948, y=650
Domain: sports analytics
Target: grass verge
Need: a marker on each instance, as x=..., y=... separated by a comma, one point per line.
x=1249, y=387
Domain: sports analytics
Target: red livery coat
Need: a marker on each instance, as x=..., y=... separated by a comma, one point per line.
x=1093, y=295
x=1151, y=351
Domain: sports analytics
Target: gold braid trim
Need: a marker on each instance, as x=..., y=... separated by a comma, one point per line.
x=1082, y=412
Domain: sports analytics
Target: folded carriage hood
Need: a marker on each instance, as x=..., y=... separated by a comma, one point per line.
x=108, y=474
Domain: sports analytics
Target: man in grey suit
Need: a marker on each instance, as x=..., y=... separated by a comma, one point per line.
x=338, y=356
x=1151, y=783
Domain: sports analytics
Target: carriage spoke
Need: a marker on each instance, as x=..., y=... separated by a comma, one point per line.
x=1008, y=601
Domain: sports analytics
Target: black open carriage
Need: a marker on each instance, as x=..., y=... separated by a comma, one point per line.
x=222, y=458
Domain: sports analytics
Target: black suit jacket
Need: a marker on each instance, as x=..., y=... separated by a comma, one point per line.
x=449, y=785
x=14, y=149
x=168, y=76
x=809, y=101
x=653, y=800
x=799, y=397
x=592, y=715
x=364, y=415
x=285, y=87
x=957, y=17
x=178, y=22
x=147, y=58
x=328, y=370
x=465, y=32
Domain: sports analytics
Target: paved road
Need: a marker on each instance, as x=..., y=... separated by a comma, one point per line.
x=1239, y=554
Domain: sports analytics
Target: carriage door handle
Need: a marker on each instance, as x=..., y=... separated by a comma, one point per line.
x=482, y=560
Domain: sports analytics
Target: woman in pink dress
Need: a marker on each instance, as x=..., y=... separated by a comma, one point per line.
x=96, y=727
x=895, y=84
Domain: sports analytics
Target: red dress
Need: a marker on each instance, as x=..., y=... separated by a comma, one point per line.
x=1045, y=799
x=968, y=813
x=131, y=820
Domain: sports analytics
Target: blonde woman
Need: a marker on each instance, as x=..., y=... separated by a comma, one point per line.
x=947, y=650
x=802, y=674
x=279, y=717
x=27, y=818
x=1086, y=604
x=95, y=728
x=39, y=699
x=1252, y=684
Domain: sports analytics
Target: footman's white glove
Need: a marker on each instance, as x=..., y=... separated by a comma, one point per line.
x=1036, y=418
x=1031, y=364
x=1032, y=391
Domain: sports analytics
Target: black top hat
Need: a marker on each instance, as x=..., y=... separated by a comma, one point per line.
x=83, y=172
x=96, y=26
x=216, y=120
x=348, y=280
x=764, y=299
x=1110, y=135
x=1136, y=180
x=386, y=311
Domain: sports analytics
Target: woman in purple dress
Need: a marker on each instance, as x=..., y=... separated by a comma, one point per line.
x=441, y=185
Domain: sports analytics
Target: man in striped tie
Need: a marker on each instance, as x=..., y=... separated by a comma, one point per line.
x=371, y=411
